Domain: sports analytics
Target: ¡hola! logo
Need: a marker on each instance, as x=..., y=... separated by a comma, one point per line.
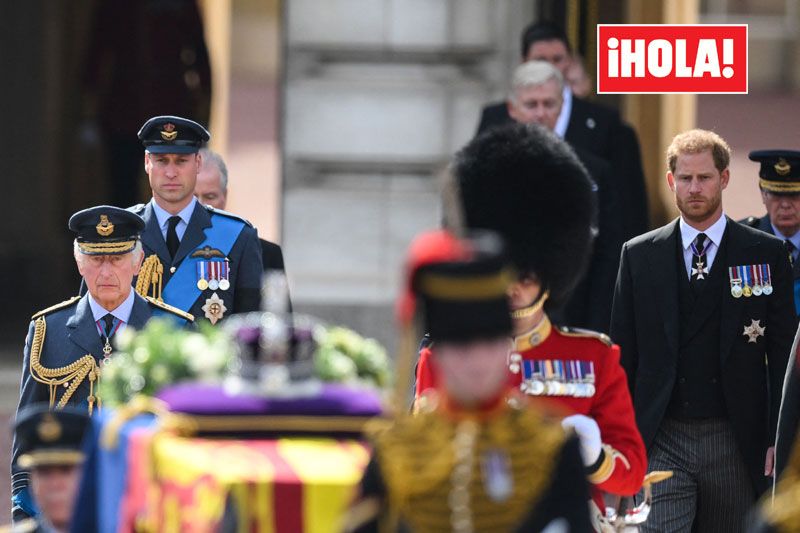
x=680, y=58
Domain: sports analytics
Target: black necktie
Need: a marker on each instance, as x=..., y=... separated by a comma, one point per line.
x=699, y=266
x=108, y=320
x=172, y=236
x=791, y=249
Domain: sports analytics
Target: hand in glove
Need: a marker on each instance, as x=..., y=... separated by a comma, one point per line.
x=589, y=434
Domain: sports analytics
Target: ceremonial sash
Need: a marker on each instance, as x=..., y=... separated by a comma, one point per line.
x=797, y=297
x=181, y=290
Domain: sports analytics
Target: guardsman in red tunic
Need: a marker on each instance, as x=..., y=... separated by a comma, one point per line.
x=475, y=457
x=543, y=206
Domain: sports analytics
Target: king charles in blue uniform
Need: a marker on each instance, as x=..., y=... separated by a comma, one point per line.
x=199, y=259
x=68, y=343
x=779, y=182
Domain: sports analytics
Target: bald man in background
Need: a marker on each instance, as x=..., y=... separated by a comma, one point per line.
x=212, y=189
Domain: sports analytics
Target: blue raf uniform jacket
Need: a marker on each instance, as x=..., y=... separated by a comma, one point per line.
x=238, y=242
x=59, y=337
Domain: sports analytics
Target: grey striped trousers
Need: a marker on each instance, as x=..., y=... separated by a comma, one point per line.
x=710, y=490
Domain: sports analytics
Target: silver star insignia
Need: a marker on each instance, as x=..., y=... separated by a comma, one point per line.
x=754, y=331
x=700, y=270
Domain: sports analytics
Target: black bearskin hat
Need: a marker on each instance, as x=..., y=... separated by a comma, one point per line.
x=526, y=184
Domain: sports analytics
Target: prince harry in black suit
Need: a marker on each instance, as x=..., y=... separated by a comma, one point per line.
x=704, y=316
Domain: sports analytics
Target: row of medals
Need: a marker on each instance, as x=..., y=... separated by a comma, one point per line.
x=538, y=385
x=222, y=284
x=737, y=291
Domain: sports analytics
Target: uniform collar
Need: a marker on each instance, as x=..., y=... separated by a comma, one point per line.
x=121, y=313
x=794, y=239
x=535, y=336
x=163, y=216
x=714, y=233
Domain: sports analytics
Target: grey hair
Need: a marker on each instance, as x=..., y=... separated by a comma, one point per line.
x=534, y=73
x=137, y=253
x=209, y=156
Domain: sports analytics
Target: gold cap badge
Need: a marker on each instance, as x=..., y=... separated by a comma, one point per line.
x=49, y=429
x=105, y=227
x=782, y=167
x=169, y=133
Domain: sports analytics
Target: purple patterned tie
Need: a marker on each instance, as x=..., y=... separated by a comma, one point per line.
x=699, y=263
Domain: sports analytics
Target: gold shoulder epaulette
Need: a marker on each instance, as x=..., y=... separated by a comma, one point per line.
x=580, y=332
x=65, y=303
x=167, y=307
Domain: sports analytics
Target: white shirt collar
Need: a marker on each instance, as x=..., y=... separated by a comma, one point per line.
x=566, y=109
x=163, y=216
x=714, y=233
x=122, y=312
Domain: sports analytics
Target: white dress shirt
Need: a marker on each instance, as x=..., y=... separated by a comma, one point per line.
x=121, y=313
x=163, y=217
x=566, y=111
x=714, y=238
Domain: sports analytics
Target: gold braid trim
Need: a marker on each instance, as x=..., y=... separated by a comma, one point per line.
x=72, y=374
x=609, y=464
x=100, y=248
x=779, y=186
x=420, y=455
x=65, y=303
x=166, y=307
x=150, y=277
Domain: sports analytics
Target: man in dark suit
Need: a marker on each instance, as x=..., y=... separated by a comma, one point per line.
x=444, y=468
x=779, y=182
x=536, y=98
x=212, y=189
x=68, y=342
x=704, y=316
x=585, y=125
x=199, y=259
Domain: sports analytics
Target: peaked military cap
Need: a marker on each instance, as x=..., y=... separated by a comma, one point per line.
x=49, y=437
x=106, y=230
x=780, y=170
x=173, y=135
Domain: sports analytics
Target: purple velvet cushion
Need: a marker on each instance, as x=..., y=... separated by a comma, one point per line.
x=332, y=399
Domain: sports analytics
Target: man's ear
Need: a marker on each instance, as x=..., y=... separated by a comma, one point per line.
x=512, y=110
x=139, y=264
x=79, y=263
x=671, y=180
x=725, y=177
x=147, y=163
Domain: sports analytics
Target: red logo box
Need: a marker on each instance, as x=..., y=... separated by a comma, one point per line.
x=672, y=58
